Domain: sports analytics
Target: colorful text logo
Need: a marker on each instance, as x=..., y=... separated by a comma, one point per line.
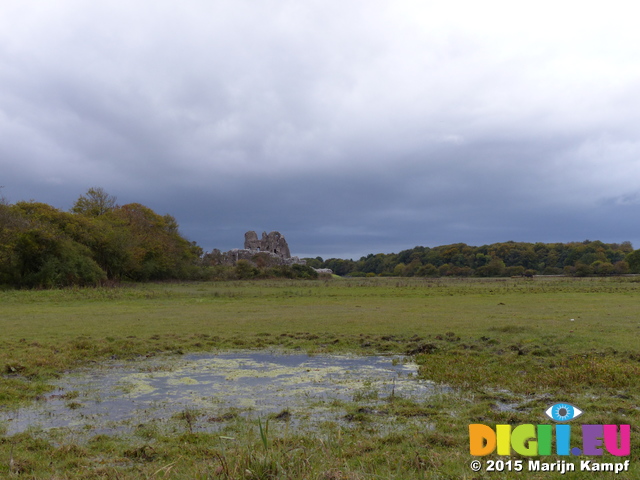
x=531, y=440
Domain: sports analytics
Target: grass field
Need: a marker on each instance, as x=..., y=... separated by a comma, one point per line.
x=529, y=343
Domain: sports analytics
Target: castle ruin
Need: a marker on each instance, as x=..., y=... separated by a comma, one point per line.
x=272, y=248
x=273, y=243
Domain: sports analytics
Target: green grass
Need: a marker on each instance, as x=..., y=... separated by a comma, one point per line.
x=495, y=341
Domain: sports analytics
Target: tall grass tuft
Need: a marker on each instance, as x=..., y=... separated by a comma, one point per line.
x=264, y=434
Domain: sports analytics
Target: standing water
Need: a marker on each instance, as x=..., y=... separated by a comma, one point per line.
x=117, y=397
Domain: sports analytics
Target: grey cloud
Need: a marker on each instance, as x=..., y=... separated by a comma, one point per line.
x=351, y=127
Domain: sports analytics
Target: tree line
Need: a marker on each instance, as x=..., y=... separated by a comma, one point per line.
x=496, y=260
x=98, y=241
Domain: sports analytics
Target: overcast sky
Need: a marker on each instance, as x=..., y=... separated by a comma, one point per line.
x=352, y=127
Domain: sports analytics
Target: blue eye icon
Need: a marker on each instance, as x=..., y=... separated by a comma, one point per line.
x=563, y=412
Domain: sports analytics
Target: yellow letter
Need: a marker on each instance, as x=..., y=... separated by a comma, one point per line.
x=503, y=432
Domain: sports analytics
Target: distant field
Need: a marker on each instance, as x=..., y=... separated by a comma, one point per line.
x=569, y=339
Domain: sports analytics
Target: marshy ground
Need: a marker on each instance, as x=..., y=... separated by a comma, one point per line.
x=208, y=389
x=489, y=350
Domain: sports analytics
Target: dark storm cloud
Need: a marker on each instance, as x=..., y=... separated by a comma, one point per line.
x=351, y=127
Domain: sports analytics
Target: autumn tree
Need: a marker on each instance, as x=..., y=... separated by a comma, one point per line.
x=154, y=246
x=42, y=250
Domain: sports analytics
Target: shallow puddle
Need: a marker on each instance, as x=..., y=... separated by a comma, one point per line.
x=207, y=390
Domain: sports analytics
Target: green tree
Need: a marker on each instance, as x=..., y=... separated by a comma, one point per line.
x=304, y=271
x=633, y=260
x=603, y=268
x=44, y=257
x=41, y=246
x=444, y=270
x=314, y=262
x=583, y=270
x=621, y=267
x=94, y=203
x=398, y=271
x=495, y=268
x=514, y=271
x=245, y=270
x=339, y=266
x=428, y=270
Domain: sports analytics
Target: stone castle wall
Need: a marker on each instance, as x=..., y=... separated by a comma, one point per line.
x=272, y=249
